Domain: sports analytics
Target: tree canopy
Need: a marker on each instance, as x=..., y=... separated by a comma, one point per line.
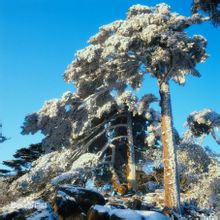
x=211, y=7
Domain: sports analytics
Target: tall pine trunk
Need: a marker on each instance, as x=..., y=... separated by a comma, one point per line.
x=131, y=176
x=171, y=180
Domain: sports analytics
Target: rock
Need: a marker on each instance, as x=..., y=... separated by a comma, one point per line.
x=73, y=201
x=135, y=203
x=98, y=212
x=12, y=215
x=66, y=206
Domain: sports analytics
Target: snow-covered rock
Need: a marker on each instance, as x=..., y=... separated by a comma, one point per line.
x=72, y=201
x=105, y=212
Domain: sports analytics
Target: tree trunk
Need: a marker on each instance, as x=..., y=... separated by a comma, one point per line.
x=132, y=184
x=115, y=178
x=171, y=180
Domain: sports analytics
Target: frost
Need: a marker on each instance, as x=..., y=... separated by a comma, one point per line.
x=201, y=123
x=128, y=214
x=77, y=169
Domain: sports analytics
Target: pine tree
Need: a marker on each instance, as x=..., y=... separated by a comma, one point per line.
x=109, y=125
x=149, y=40
x=211, y=7
x=202, y=123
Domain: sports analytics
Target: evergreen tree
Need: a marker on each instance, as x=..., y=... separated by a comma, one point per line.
x=114, y=127
x=211, y=7
x=149, y=40
x=202, y=123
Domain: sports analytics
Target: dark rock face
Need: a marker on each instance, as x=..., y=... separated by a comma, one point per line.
x=12, y=215
x=73, y=201
x=99, y=213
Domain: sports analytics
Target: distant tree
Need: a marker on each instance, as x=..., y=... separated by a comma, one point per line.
x=33, y=152
x=4, y=172
x=150, y=40
x=16, y=165
x=2, y=138
x=202, y=123
x=211, y=7
x=22, y=161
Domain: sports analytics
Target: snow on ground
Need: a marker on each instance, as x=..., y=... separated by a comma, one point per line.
x=128, y=214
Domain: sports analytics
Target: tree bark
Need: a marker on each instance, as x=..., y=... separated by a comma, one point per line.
x=171, y=179
x=132, y=184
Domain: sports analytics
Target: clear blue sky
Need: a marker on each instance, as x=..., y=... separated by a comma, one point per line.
x=38, y=39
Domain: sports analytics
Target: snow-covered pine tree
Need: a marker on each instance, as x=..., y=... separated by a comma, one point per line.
x=211, y=7
x=149, y=40
x=100, y=123
x=202, y=123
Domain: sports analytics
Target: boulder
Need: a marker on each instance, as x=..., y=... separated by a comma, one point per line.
x=12, y=215
x=74, y=201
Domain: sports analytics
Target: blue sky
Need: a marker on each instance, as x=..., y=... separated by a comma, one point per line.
x=38, y=39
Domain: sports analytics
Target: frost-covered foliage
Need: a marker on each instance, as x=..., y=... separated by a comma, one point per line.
x=211, y=7
x=110, y=129
x=201, y=123
x=105, y=125
x=78, y=169
x=42, y=171
x=149, y=40
x=209, y=182
x=49, y=171
x=193, y=159
x=88, y=134
x=5, y=198
x=60, y=120
x=30, y=208
x=84, y=120
x=196, y=168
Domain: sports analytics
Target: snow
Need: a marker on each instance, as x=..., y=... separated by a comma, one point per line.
x=44, y=211
x=128, y=214
x=151, y=215
x=90, y=185
x=77, y=168
x=75, y=189
x=85, y=159
x=23, y=202
x=44, y=168
x=65, y=176
x=148, y=168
